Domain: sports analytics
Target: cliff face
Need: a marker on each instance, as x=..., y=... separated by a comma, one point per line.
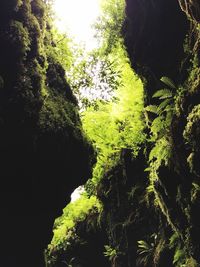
x=173, y=51
x=44, y=154
x=154, y=34
x=151, y=203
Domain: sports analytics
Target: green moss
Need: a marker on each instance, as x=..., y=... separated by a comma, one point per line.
x=64, y=228
x=192, y=129
x=194, y=76
x=19, y=38
x=195, y=192
x=57, y=114
x=191, y=263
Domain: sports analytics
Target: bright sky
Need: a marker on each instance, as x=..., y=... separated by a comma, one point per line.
x=76, y=17
x=77, y=193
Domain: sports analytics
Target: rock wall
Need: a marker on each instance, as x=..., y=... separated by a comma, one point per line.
x=154, y=33
x=44, y=154
x=176, y=56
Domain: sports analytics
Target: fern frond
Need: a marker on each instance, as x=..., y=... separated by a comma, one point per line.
x=153, y=153
x=179, y=255
x=163, y=94
x=169, y=116
x=143, y=245
x=163, y=105
x=168, y=82
x=196, y=186
x=158, y=124
x=152, y=109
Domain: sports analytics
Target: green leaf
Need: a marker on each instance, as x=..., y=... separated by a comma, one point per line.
x=179, y=255
x=168, y=82
x=163, y=105
x=157, y=125
x=143, y=244
x=152, y=109
x=163, y=94
x=196, y=186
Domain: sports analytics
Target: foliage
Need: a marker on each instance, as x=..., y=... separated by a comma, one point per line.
x=146, y=251
x=190, y=262
x=118, y=124
x=179, y=250
x=167, y=81
x=65, y=226
x=192, y=129
x=93, y=77
x=111, y=99
x=179, y=257
x=20, y=34
x=193, y=81
x=109, y=24
x=74, y=212
x=160, y=128
x=40, y=126
x=164, y=111
x=60, y=49
x=191, y=137
x=110, y=252
x=152, y=251
x=195, y=192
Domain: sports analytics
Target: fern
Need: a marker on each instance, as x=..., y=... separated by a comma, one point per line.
x=143, y=246
x=163, y=105
x=167, y=81
x=164, y=110
x=163, y=93
x=179, y=256
x=174, y=240
x=196, y=186
x=152, y=109
x=160, y=131
x=110, y=252
x=157, y=126
x=145, y=252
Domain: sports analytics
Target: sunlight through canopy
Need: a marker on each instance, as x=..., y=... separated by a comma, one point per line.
x=76, y=18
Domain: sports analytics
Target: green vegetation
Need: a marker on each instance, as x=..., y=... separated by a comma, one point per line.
x=160, y=129
x=111, y=253
x=140, y=205
x=117, y=124
x=113, y=120
x=41, y=134
x=72, y=214
x=145, y=253
x=114, y=117
x=108, y=26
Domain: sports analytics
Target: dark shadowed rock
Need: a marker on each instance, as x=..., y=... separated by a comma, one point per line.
x=44, y=155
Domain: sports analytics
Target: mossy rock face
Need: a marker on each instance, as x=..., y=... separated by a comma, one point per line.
x=84, y=245
x=151, y=23
x=126, y=215
x=191, y=136
x=177, y=185
x=192, y=129
x=44, y=153
x=124, y=220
